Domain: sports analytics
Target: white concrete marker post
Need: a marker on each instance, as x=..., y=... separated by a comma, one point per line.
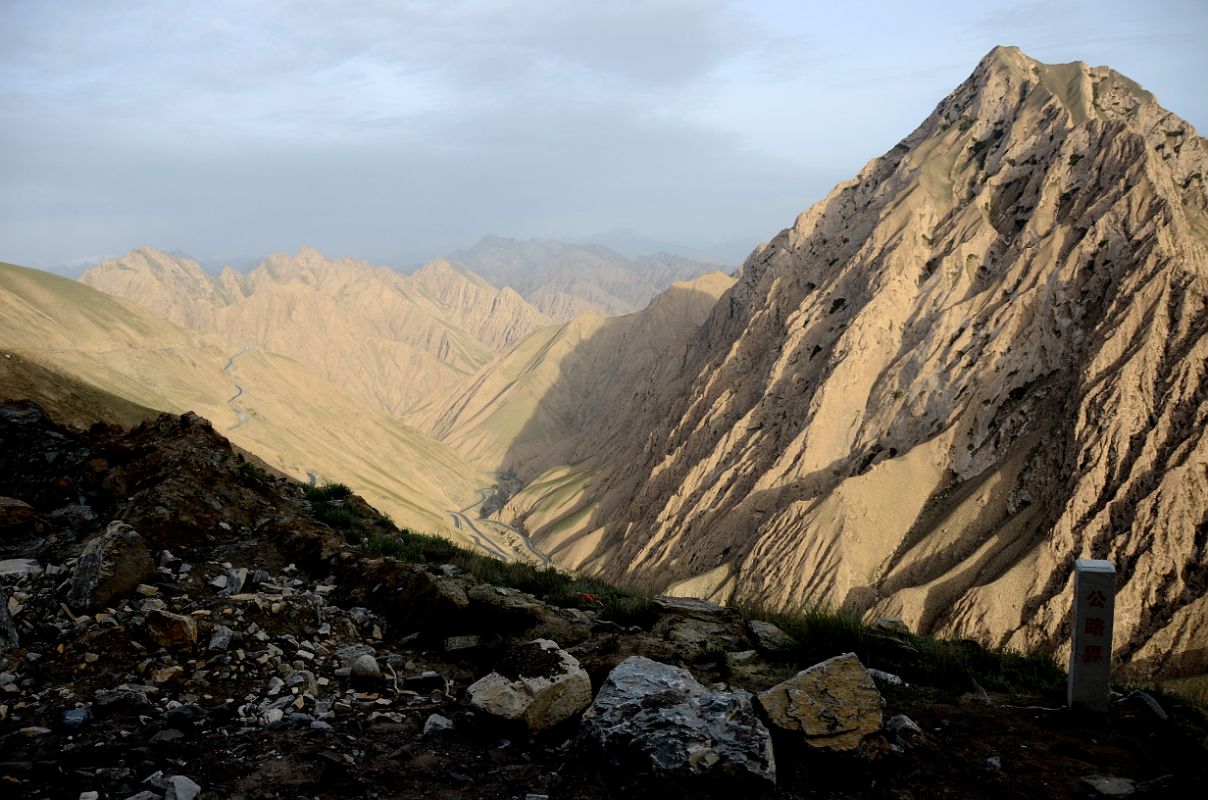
x=1091, y=648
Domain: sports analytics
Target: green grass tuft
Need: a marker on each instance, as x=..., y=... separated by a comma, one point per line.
x=328, y=491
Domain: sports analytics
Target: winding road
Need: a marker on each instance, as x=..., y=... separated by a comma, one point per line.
x=241, y=417
x=504, y=541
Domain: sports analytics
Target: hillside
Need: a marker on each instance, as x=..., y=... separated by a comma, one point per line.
x=565, y=281
x=389, y=338
x=73, y=341
x=980, y=358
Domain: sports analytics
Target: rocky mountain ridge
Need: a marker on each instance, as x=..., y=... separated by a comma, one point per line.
x=982, y=357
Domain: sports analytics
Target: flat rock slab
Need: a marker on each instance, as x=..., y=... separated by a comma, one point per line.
x=663, y=717
x=832, y=705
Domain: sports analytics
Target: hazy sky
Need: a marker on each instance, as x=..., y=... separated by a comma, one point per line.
x=397, y=131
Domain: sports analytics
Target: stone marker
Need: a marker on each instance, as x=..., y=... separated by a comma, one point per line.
x=1091, y=646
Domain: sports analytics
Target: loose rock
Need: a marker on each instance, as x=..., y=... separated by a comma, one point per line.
x=537, y=683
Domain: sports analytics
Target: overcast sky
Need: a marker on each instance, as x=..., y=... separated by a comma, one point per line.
x=397, y=131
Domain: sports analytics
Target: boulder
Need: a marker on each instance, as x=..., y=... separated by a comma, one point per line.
x=172, y=631
x=832, y=705
x=536, y=683
x=110, y=567
x=697, y=624
x=663, y=718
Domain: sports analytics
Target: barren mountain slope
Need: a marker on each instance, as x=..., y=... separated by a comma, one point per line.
x=527, y=409
x=291, y=418
x=566, y=280
x=390, y=338
x=981, y=358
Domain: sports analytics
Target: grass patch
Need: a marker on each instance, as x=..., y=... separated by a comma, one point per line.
x=336, y=516
x=820, y=631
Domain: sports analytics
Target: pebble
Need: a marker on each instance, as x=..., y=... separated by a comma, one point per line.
x=366, y=669
x=181, y=788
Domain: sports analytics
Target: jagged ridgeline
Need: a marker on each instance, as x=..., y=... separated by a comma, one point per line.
x=979, y=359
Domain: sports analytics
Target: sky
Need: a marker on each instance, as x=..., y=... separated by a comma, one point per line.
x=399, y=131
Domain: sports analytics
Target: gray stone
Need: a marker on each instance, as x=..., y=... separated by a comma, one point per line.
x=19, y=567
x=887, y=678
x=768, y=638
x=891, y=626
x=110, y=567
x=903, y=727
x=436, y=723
x=1110, y=785
x=832, y=705
x=537, y=683
x=220, y=640
x=664, y=718
x=181, y=788
x=365, y=669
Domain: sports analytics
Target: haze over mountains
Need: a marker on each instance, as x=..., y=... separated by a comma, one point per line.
x=982, y=357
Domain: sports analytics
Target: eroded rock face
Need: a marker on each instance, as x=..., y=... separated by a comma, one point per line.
x=982, y=357
x=537, y=683
x=697, y=624
x=664, y=719
x=832, y=705
x=110, y=567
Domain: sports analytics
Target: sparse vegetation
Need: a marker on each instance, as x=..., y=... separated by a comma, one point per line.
x=965, y=123
x=328, y=491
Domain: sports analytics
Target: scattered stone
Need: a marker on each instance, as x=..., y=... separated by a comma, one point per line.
x=537, y=683
x=664, y=718
x=172, y=630
x=181, y=788
x=15, y=515
x=144, y=795
x=436, y=723
x=187, y=716
x=833, y=705
x=110, y=567
x=1110, y=785
x=993, y=764
x=427, y=681
x=90, y=795
x=75, y=718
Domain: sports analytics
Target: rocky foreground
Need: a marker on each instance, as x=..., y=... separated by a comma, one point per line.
x=177, y=623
